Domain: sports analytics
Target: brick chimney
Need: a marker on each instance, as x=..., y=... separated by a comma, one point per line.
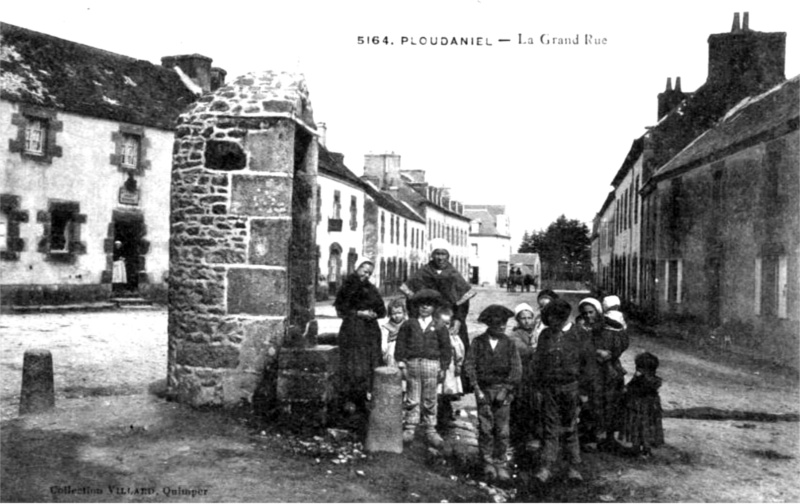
x=385, y=167
x=746, y=58
x=670, y=98
x=196, y=66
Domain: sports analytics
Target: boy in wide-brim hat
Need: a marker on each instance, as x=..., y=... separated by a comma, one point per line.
x=494, y=369
x=423, y=352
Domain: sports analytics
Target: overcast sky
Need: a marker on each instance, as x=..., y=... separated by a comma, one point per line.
x=539, y=128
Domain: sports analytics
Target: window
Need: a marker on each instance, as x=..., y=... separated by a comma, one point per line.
x=337, y=205
x=10, y=218
x=3, y=232
x=36, y=134
x=405, y=233
x=353, y=213
x=673, y=280
x=475, y=249
x=129, y=151
x=391, y=229
x=61, y=223
x=60, y=231
x=772, y=286
x=383, y=227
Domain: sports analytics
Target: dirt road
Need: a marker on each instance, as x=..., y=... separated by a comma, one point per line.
x=108, y=432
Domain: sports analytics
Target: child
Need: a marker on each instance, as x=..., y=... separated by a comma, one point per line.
x=525, y=426
x=494, y=370
x=564, y=372
x=545, y=297
x=389, y=330
x=423, y=352
x=450, y=389
x=642, y=425
x=611, y=305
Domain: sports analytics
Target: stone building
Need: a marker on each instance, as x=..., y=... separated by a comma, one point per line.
x=618, y=230
x=718, y=209
x=726, y=215
x=340, y=220
x=444, y=217
x=490, y=244
x=394, y=236
x=88, y=138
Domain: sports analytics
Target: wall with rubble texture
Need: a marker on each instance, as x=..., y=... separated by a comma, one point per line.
x=243, y=179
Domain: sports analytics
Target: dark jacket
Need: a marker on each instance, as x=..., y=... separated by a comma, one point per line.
x=432, y=342
x=564, y=358
x=499, y=366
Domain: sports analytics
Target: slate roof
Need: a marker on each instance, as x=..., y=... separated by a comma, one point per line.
x=636, y=150
x=753, y=120
x=332, y=164
x=388, y=202
x=487, y=217
x=47, y=71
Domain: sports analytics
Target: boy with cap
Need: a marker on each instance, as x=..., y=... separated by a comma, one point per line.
x=564, y=370
x=494, y=370
x=423, y=353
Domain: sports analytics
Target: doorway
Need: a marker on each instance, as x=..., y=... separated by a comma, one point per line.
x=129, y=231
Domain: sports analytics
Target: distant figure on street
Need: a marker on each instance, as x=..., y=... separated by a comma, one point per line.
x=119, y=275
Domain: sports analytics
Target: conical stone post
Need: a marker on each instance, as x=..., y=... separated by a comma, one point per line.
x=38, y=391
x=385, y=428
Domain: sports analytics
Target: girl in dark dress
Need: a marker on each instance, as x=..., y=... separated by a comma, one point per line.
x=642, y=426
x=360, y=305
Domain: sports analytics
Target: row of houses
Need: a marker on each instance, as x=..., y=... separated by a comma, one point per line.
x=703, y=219
x=90, y=138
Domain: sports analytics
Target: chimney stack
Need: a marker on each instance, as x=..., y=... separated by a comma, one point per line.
x=322, y=129
x=670, y=98
x=745, y=59
x=745, y=21
x=217, y=78
x=735, y=28
x=196, y=66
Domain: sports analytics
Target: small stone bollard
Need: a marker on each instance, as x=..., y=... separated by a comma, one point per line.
x=385, y=429
x=38, y=392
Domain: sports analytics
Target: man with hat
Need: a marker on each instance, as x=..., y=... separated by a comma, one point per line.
x=494, y=369
x=440, y=275
x=423, y=352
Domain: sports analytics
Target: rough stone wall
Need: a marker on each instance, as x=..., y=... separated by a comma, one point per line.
x=233, y=200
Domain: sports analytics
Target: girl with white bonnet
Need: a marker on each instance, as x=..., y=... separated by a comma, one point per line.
x=525, y=422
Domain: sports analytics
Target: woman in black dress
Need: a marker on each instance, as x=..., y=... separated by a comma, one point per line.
x=359, y=305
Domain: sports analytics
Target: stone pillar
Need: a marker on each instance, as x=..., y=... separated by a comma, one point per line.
x=385, y=431
x=38, y=390
x=234, y=286
x=307, y=378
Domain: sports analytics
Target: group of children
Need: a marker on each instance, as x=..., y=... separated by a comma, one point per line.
x=530, y=385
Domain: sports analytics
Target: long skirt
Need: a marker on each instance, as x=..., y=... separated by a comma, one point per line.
x=118, y=273
x=359, y=354
x=642, y=424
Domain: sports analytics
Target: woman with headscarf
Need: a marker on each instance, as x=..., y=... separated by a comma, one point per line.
x=610, y=378
x=359, y=305
x=456, y=292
